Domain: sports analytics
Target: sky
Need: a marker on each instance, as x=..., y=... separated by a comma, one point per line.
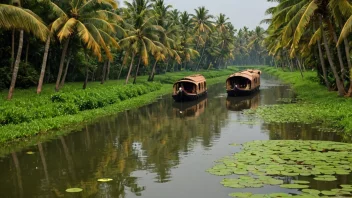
x=241, y=12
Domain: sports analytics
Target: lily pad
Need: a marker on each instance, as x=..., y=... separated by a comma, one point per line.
x=311, y=191
x=240, y=194
x=105, y=180
x=329, y=193
x=346, y=186
x=300, y=182
x=30, y=153
x=324, y=178
x=320, y=159
x=280, y=195
x=294, y=186
x=74, y=190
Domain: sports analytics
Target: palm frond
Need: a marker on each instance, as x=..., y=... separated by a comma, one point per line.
x=67, y=29
x=316, y=37
x=58, y=23
x=346, y=30
x=12, y=17
x=305, y=19
x=87, y=38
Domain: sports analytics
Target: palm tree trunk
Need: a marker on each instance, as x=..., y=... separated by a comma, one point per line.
x=299, y=66
x=108, y=71
x=118, y=78
x=322, y=62
x=104, y=72
x=130, y=69
x=201, y=57
x=13, y=49
x=347, y=51
x=86, y=79
x=135, y=76
x=62, y=61
x=339, y=54
x=27, y=50
x=16, y=67
x=151, y=76
x=65, y=74
x=42, y=71
x=339, y=84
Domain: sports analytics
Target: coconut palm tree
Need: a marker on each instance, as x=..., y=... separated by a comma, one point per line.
x=57, y=12
x=15, y=17
x=142, y=35
x=92, y=23
x=202, y=26
x=293, y=19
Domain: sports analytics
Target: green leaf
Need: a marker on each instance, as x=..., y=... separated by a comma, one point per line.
x=104, y=180
x=74, y=190
x=240, y=194
x=296, y=186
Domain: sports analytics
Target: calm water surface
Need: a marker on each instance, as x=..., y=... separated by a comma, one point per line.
x=160, y=150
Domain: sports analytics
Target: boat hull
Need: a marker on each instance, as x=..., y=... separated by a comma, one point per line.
x=239, y=92
x=183, y=96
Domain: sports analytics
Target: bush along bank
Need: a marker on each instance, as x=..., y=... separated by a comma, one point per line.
x=45, y=114
x=315, y=104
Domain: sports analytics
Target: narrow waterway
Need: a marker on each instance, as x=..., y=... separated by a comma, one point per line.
x=160, y=150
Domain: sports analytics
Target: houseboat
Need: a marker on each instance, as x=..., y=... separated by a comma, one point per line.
x=243, y=83
x=190, y=88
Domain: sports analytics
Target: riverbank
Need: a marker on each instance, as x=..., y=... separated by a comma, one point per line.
x=81, y=106
x=314, y=104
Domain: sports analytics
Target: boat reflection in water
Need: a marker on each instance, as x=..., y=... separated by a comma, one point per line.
x=244, y=102
x=190, y=109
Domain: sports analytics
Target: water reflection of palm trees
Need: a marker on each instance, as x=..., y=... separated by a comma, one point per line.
x=242, y=103
x=296, y=131
x=151, y=138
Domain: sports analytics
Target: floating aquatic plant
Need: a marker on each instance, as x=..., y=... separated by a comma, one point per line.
x=105, y=180
x=74, y=190
x=264, y=160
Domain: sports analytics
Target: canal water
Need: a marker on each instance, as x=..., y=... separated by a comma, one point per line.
x=158, y=151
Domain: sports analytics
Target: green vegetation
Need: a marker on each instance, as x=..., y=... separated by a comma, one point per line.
x=314, y=104
x=54, y=41
x=313, y=34
x=30, y=114
x=266, y=162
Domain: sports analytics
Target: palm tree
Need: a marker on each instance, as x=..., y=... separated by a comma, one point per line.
x=15, y=17
x=222, y=23
x=202, y=26
x=141, y=35
x=256, y=41
x=293, y=19
x=57, y=11
x=140, y=42
x=93, y=25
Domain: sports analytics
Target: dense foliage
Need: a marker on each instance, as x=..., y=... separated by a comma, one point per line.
x=57, y=41
x=313, y=107
x=29, y=114
x=313, y=34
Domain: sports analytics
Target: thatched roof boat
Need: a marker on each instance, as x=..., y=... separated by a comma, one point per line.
x=243, y=83
x=190, y=88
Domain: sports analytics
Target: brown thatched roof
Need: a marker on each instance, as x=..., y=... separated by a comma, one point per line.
x=197, y=78
x=250, y=74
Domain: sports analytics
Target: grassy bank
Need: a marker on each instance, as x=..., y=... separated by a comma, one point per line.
x=43, y=115
x=315, y=105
